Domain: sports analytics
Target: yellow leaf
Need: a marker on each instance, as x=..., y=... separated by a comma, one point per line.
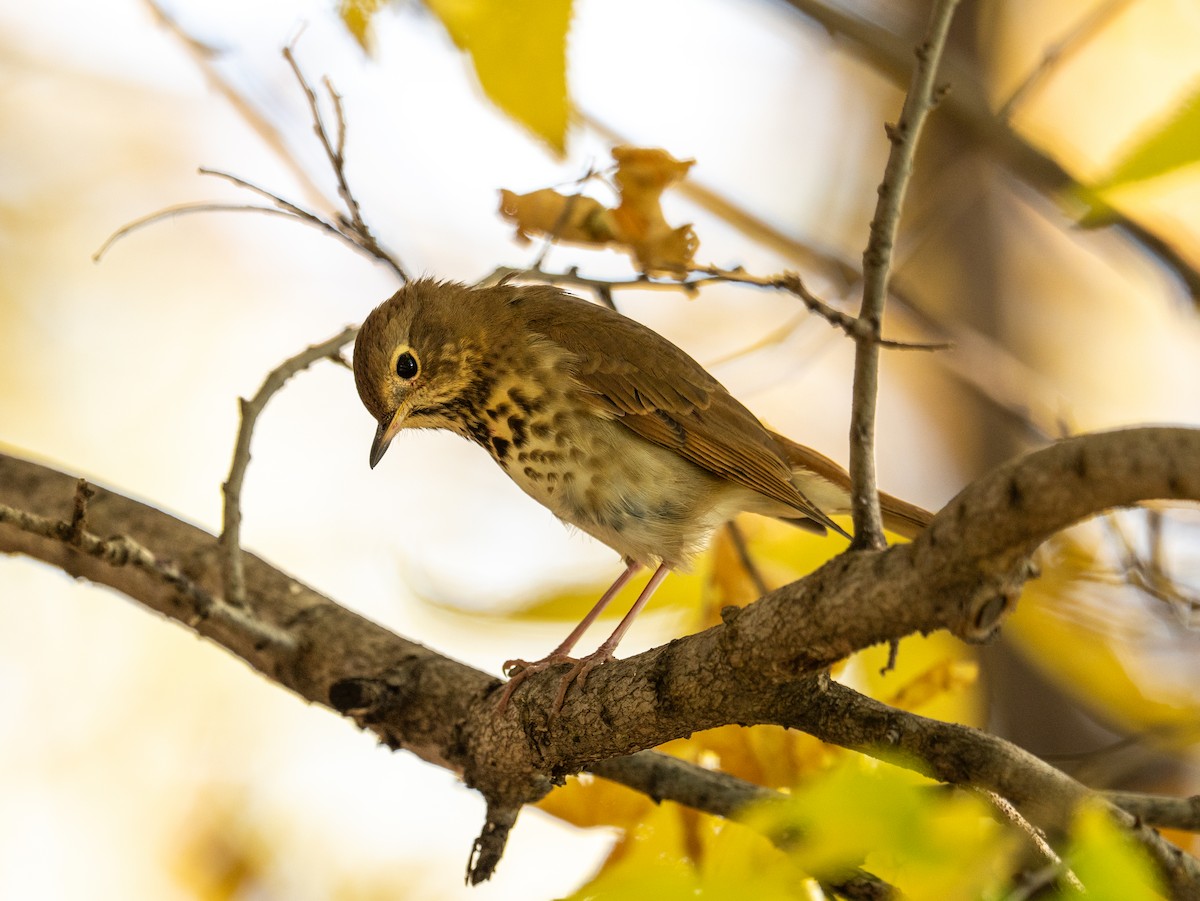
x=573, y=218
x=929, y=844
x=519, y=51
x=643, y=173
x=636, y=225
x=586, y=801
x=1108, y=862
x=935, y=675
x=356, y=16
x=676, y=853
x=1074, y=623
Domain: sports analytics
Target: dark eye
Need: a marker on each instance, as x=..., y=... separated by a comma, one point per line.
x=406, y=365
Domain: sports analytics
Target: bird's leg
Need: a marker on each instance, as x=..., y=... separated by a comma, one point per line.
x=604, y=653
x=520, y=670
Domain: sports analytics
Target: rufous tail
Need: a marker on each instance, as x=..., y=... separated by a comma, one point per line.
x=827, y=485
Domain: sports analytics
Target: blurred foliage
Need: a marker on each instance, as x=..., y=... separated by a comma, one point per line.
x=1101, y=650
x=1174, y=144
x=930, y=843
x=1111, y=866
x=518, y=49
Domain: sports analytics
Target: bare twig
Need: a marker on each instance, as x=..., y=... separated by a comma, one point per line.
x=707, y=275
x=233, y=573
x=738, y=540
x=1036, y=837
x=202, y=54
x=354, y=225
x=922, y=97
x=83, y=494
x=564, y=217
x=121, y=550
x=351, y=230
x=1148, y=573
x=171, y=211
x=792, y=283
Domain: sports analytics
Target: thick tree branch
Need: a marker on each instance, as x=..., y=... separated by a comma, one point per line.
x=762, y=665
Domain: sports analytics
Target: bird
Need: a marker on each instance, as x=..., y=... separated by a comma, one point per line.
x=605, y=422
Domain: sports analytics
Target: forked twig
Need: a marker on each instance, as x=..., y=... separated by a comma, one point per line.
x=232, y=566
x=350, y=229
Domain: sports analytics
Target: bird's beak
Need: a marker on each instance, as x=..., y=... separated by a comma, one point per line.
x=384, y=435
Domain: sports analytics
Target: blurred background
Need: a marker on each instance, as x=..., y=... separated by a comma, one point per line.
x=139, y=762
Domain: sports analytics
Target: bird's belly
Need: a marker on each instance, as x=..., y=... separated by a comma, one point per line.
x=644, y=501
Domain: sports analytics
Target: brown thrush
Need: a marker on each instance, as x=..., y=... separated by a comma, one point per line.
x=605, y=422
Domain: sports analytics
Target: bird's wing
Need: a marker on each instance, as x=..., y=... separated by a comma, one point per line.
x=662, y=394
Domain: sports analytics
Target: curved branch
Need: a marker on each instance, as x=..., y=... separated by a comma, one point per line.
x=249, y=410
x=762, y=665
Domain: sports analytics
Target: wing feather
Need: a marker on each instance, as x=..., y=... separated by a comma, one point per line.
x=663, y=395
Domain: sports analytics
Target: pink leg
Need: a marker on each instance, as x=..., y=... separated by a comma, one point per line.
x=520, y=670
x=604, y=653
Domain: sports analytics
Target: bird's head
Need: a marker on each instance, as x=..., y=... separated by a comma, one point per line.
x=417, y=356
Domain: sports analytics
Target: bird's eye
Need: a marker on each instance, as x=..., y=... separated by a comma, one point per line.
x=406, y=365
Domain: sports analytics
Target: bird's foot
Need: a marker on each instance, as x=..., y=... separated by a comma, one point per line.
x=520, y=670
x=578, y=674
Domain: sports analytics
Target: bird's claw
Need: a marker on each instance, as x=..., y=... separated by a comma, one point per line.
x=520, y=670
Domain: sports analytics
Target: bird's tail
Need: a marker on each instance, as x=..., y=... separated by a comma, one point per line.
x=827, y=485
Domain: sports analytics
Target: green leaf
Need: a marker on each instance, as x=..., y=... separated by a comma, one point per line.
x=519, y=50
x=1175, y=144
x=929, y=842
x=1108, y=862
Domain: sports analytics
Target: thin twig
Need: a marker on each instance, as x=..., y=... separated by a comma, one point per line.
x=921, y=98
x=354, y=224
x=336, y=229
x=172, y=211
x=78, y=525
x=708, y=275
x=792, y=283
x=1036, y=837
x=121, y=550
x=564, y=217
x=202, y=54
x=1148, y=574
x=233, y=572
x=738, y=539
